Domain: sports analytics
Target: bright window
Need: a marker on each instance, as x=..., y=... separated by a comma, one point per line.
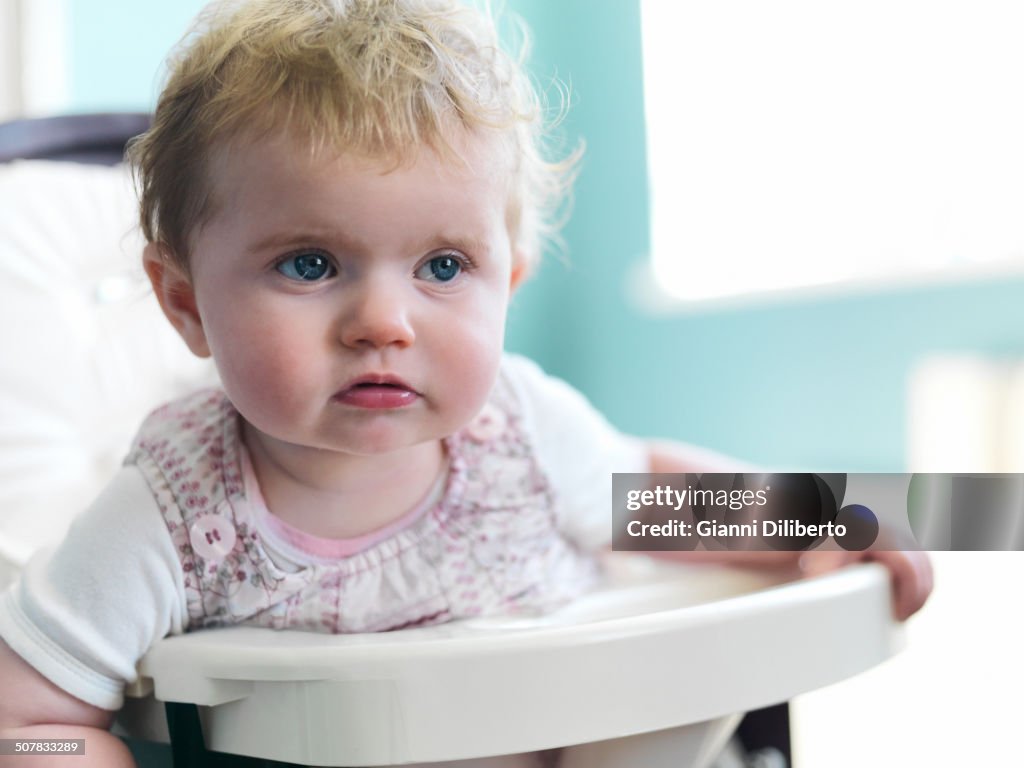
x=799, y=143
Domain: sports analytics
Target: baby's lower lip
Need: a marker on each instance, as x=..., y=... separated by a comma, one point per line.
x=381, y=396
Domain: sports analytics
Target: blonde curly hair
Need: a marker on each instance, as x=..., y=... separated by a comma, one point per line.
x=379, y=78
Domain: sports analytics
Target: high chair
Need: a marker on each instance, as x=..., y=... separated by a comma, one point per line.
x=654, y=669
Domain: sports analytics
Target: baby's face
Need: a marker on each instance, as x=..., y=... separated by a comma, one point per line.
x=350, y=307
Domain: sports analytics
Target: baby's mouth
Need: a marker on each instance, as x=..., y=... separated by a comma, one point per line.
x=377, y=391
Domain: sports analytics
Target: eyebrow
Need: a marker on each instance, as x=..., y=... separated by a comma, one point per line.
x=284, y=240
x=467, y=244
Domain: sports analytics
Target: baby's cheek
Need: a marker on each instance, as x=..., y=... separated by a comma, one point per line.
x=478, y=363
x=263, y=377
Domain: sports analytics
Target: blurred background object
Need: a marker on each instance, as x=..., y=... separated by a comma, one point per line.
x=966, y=414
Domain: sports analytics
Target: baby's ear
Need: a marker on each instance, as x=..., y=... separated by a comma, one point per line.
x=173, y=289
x=520, y=268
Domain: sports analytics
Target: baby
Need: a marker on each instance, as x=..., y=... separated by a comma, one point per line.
x=340, y=197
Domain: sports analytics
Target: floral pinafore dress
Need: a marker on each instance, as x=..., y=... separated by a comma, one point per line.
x=489, y=545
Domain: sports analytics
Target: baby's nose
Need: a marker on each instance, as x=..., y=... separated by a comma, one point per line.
x=379, y=316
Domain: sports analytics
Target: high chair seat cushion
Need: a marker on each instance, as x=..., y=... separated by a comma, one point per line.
x=86, y=353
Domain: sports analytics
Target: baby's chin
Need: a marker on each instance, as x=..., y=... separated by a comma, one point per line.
x=362, y=432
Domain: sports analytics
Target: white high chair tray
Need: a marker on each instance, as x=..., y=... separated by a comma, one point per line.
x=659, y=647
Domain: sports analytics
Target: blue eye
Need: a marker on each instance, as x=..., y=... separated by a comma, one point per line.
x=441, y=269
x=307, y=267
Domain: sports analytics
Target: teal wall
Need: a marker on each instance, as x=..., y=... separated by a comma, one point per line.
x=806, y=384
x=117, y=48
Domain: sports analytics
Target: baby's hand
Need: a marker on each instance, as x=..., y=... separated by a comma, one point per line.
x=911, y=573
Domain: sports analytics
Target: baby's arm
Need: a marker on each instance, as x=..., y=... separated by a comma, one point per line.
x=34, y=708
x=581, y=450
x=79, y=617
x=911, y=571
